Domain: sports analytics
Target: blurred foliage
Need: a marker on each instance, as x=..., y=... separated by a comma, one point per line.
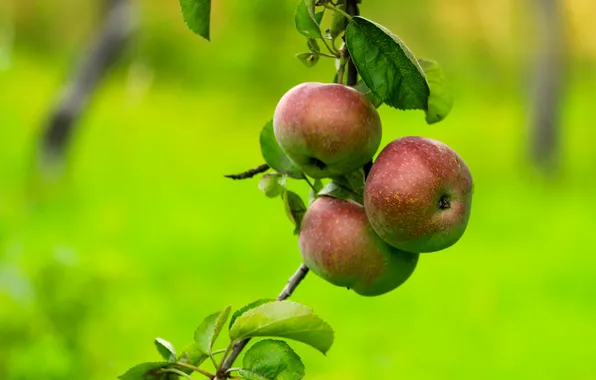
x=143, y=236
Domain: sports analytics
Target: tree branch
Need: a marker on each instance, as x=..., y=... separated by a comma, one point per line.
x=249, y=173
x=105, y=49
x=352, y=10
x=195, y=368
x=294, y=281
x=287, y=291
x=548, y=87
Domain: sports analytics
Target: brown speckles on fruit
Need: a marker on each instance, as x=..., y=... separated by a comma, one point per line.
x=327, y=129
x=338, y=244
x=418, y=195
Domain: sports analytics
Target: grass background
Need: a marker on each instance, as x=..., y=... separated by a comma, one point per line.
x=142, y=236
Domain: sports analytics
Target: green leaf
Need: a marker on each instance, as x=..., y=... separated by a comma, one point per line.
x=192, y=354
x=146, y=371
x=295, y=208
x=440, y=101
x=355, y=181
x=338, y=22
x=349, y=186
x=307, y=22
x=319, y=17
x=313, y=45
x=196, y=14
x=246, y=308
x=312, y=195
x=275, y=156
x=308, y=59
x=284, y=319
x=273, y=184
x=363, y=88
x=272, y=360
x=335, y=190
x=209, y=329
x=165, y=349
x=386, y=65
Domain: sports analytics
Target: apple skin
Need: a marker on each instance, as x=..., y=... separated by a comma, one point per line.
x=418, y=195
x=327, y=129
x=338, y=244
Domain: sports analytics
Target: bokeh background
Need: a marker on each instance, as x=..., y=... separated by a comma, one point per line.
x=139, y=235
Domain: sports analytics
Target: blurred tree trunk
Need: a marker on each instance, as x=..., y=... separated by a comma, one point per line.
x=548, y=86
x=103, y=50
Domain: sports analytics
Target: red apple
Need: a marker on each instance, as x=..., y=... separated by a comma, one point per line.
x=339, y=245
x=327, y=129
x=418, y=195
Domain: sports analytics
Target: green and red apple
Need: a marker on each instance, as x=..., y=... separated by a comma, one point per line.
x=338, y=243
x=418, y=195
x=327, y=129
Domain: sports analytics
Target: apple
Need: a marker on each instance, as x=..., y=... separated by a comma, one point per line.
x=418, y=195
x=327, y=129
x=338, y=244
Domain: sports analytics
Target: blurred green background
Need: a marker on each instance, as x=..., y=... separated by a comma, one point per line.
x=142, y=236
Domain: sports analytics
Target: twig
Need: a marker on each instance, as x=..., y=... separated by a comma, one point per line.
x=326, y=55
x=177, y=372
x=331, y=49
x=249, y=173
x=340, y=74
x=293, y=282
x=287, y=291
x=310, y=184
x=195, y=368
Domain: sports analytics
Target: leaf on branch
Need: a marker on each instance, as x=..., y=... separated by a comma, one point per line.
x=335, y=190
x=284, y=319
x=273, y=184
x=248, y=307
x=196, y=14
x=363, y=88
x=209, y=329
x=272, y=360
x=313, y=45
x=346, y=187
x=275, y=156
x=307, y=21
x=355, y=181
x=338, y=22
x=440, y=101
x=295, y=208
x=165, y=349
x=308, y=59
x=386, y=65
x=146, y=371
x=193, y=355
x=319, y=17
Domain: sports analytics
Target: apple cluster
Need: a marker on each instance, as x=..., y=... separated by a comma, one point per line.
x=416, y=199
